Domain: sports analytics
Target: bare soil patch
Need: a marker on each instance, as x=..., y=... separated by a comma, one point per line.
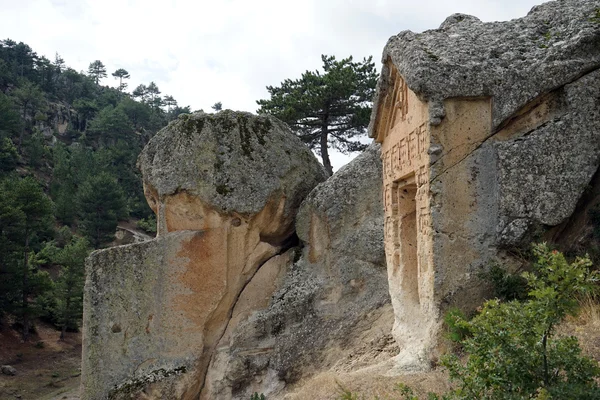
x=47, y=368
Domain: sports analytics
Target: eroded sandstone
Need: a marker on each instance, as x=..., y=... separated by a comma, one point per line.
x=226, y=189
x=333, y=292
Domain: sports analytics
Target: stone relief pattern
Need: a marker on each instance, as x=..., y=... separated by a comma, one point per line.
x=404, y=163
x=397, y=102
x=406, y=156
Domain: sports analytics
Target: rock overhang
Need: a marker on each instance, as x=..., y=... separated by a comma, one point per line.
x=512, y=62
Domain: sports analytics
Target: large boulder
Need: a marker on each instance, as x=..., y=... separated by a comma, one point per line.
x=155, y=311
x=334, y=292
x=232, y=163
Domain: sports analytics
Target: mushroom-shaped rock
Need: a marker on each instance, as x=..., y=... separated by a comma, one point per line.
x=226, y=189
x=234, y=164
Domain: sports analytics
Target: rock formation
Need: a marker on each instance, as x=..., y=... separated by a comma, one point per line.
x=490, y=135
x=155, y=311
x=326, y=300
x=263, y=274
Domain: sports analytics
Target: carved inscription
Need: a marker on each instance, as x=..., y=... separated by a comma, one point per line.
x=387, y=198
x=422, y=135
x=403, y=157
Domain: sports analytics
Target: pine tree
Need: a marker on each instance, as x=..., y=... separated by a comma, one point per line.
x=30, y=98
x=101, y=204
x=140, y=92
x=330, y=108
x=110, y=125
x=121, y=74
x=10, y=121
x=27, y=213
x=97, y=71
x=68, y=288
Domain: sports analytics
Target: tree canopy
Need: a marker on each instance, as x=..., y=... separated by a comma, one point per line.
x=329, y=108
x=97, y=71
x=121, y=74
x=68, y=151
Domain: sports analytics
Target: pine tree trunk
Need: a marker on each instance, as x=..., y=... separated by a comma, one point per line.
x=324, y=149
x=24, y=305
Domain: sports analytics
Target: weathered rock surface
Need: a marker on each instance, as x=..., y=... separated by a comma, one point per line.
x=230, y=162
x=155, y=311
x=490, y=136
x=329, y=297
x=514, y=62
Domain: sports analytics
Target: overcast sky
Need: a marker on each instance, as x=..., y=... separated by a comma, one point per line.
x=204, y=51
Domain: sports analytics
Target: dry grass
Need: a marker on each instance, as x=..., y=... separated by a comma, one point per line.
x=369, y=384
x=585, y=327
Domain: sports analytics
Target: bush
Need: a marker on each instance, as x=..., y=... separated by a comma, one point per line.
x=513, y=352
x=512, y=349
x=455, y=332
x=506, y=286
x=148, y=224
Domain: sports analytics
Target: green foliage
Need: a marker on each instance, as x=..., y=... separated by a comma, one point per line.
x=101, y=204
x=36, y=149
x=31, y=99
x=148, y=224
x=10, y=121
x=107, y=130
x=218, y=106
x=68, y=288
x=8, y=155
x=121, y=74
x=455, y=332
x=506, y=286
x=257, y=396
x=26, y=219
x=138, y=113
x=110, y=125
x=329, y=108
x=513, y=352
x=347, y=394
x=86, y=110
x=97, y=71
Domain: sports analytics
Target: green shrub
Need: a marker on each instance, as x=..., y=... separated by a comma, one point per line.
x=512, y=349
x=148, y=224
x=257, y=396
x=506, y=286
x=455, y=331
x=513, y=352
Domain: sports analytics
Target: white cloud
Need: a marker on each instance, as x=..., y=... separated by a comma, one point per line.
x=204, y=51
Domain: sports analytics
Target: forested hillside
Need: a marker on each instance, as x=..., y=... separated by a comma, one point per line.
x=68, y=148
